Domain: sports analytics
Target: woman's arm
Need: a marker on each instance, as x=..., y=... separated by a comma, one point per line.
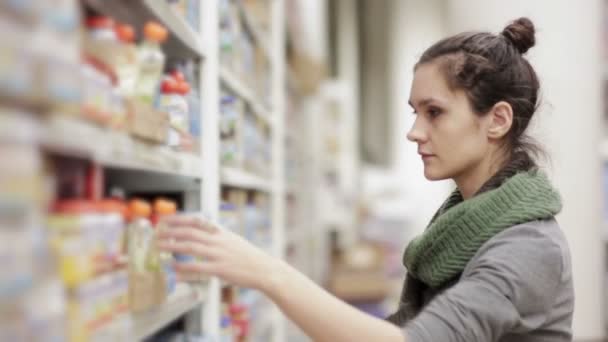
x=228, y=256
x=320, y=315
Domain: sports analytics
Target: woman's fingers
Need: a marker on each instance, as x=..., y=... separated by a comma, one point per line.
x=186, y=233
x=194, y=222
x=189, y=248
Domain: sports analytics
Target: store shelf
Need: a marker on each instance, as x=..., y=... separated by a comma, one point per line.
x=182, y=301
x=250, y=25
x=243, y=91
x=183, y=41
x=116, y=149
x=242, y=179
x=136, y=327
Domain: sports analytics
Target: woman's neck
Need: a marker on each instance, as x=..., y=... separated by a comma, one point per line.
x=470, y=181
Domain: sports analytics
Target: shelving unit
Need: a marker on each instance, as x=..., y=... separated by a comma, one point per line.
x=142, y=167
x=245, y=93
x=184, y=41
x=116, y=149
x=240, y=179
x=138, y=327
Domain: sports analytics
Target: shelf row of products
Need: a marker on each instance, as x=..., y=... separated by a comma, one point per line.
x=240, y=52
x=32, y=307
x=245, y=140
x=189, y=10
x=90, y=67
x=103, y=248
x=245, y=315
x=247, y=213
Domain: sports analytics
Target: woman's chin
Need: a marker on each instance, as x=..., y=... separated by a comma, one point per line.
x=433, y=175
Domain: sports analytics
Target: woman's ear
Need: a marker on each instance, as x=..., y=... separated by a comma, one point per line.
x=501, y=120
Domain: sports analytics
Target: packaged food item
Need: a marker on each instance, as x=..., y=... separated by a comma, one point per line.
x=147, y=283
x=226, y=331
x=127, y=68
x=170, y=102
x=140, y=234
x=228, y=217
x=174, y=101
x=151, y=60
x=114, y=213
x=101, y=28
x=73, y=236
x=164, y=208
x=97, y=94
x=229, y=131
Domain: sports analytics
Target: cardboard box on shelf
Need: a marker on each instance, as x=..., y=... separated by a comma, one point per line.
x=147, y=123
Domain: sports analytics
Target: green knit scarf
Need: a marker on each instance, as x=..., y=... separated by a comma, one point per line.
x=460, y=227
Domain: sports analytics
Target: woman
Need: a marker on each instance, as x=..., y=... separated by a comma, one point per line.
x=492, y=265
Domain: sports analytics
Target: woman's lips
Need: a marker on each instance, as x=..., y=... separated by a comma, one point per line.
x=426, y=156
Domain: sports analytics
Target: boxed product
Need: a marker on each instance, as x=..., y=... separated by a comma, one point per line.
x=147, y=123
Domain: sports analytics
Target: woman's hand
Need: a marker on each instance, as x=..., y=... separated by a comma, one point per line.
x=220, y=253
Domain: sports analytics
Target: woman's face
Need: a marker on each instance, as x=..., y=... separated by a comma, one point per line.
x=452, y=140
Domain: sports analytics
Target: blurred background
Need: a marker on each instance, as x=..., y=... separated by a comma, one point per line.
x=283, y=120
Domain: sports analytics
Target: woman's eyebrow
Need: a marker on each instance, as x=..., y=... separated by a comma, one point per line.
x=423, y=102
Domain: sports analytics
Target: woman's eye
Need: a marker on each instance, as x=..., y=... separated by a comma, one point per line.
x=434, y=112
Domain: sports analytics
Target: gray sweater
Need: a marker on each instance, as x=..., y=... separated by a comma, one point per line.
x=518, y=287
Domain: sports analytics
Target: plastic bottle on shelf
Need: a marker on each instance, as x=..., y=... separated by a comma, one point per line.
x=183, y=121
x=127, y=68
x=169, y=102
x=162, y=209
x=151, y=61
x=173, y=101
x=140, y=235
x=226, y=333
x=101, y=28
x=114, y=213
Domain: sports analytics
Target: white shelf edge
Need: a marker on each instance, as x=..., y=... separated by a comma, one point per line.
x=183, y=300
x=138, y=326
x=116, y=149
x=235, y=177
x=176, y=25
x=244, y=92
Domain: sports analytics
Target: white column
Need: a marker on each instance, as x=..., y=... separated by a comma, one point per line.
x=567, y=58
x=210, y=195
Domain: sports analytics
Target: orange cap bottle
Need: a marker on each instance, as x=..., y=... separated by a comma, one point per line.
x=125, y=33
x=139, y=209
x=155, y=32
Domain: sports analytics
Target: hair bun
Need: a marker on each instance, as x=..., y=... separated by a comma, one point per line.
x=521, y=34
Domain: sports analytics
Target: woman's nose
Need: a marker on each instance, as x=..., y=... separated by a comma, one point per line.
x=416, y=133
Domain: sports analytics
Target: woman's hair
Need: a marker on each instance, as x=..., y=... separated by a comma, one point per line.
x=490, y=68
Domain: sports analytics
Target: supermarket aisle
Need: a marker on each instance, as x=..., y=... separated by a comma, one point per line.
x=282, y=120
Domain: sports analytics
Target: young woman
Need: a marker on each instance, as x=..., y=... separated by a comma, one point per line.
x=493, y=264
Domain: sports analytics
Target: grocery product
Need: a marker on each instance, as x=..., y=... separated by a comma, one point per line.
x=229, y=131
x=147, y=282
x=127, y=67
x=164, y=208
x=101, y=28
x=173, y=101
x=151, y=60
